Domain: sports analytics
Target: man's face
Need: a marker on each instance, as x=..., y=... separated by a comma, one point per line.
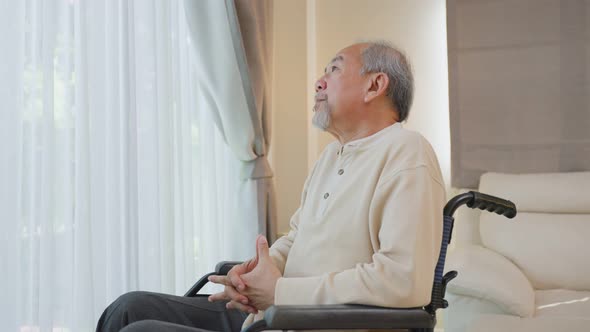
x=339, y=90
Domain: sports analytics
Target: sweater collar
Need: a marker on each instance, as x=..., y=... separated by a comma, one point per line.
x=369, y=141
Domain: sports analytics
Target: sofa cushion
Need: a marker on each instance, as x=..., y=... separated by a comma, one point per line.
x=543, y=192
x=548, y=248
x=486, y=275
x=562, y=303
x=464, y=309
x=548, y=236
x=506, y=323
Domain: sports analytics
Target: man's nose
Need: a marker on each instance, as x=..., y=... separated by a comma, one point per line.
x=320, y=85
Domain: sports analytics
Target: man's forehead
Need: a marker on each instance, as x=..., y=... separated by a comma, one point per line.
x=347, y=53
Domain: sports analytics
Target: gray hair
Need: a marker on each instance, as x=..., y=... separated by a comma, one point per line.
x=382, y=57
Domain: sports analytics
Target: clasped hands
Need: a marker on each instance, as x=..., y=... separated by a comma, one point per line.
x=250, y=286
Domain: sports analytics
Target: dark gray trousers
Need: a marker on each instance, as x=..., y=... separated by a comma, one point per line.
x=145, y=311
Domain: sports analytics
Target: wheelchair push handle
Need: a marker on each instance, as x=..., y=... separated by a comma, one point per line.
x=481, y=201
x=493, y=204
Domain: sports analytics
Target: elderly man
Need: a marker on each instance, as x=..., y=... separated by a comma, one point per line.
x=368, y=229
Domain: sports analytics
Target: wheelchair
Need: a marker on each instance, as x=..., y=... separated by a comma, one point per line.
x=354, y=316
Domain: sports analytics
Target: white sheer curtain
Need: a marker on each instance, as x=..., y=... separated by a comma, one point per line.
x=112, y=175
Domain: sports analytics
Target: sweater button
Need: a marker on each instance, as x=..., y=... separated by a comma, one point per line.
x=326, y=195
x=340, y=171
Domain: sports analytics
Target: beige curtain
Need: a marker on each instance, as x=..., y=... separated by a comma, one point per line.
x=519, y=87
x=233, y=46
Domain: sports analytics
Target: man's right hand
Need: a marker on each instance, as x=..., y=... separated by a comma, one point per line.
x=233, y=285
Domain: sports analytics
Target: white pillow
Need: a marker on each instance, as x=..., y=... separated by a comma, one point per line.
x=489, y=276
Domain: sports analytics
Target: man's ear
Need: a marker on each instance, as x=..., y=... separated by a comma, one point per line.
x=377, y=84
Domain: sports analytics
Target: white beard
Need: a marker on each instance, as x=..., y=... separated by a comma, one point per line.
x=322, y=115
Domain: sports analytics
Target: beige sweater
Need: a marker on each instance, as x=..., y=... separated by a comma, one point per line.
x=369, y=227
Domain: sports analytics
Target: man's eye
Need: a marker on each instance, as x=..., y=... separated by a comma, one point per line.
x=333, y=68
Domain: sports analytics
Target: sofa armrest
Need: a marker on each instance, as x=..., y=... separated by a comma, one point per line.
x=487, y=275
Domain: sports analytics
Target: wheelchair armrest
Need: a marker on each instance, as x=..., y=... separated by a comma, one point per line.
x=222, y=268
x=345, y=316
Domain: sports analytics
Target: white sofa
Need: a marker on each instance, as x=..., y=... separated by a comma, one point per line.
x=530, y=273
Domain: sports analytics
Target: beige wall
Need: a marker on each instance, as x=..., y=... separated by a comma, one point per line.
x=288, y=152
x=306, y=36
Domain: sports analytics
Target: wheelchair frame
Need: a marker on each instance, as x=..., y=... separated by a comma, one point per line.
x=354, y=316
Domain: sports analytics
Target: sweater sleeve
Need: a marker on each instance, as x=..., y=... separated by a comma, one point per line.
x=281, y=247
x=405, y=221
